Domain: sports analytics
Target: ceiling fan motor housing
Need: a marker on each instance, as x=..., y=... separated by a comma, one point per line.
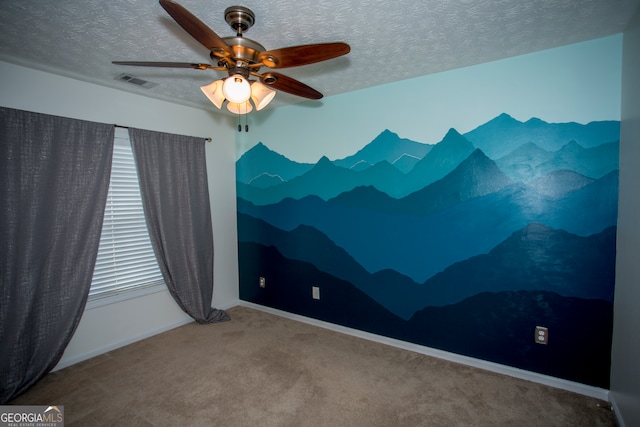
x=244, y=49
x=240, y=18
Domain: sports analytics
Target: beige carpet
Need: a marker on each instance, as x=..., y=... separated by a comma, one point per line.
x=263, y=370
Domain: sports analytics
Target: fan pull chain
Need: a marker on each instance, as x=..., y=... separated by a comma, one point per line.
x=246, y=122
x=246, y=119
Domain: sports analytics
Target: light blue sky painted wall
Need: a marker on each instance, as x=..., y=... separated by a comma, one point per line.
x=579, y=83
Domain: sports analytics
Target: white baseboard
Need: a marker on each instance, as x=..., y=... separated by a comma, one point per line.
x=616, y=410
x=65, y=362
x=88, y=355
x=586, y=390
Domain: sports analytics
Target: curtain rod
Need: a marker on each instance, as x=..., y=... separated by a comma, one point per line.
x=209, y=139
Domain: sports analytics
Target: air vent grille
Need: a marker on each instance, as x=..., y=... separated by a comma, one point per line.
x=136, y=81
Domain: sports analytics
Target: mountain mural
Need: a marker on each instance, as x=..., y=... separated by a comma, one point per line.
x=498, y=327
x=326, y=179
x=499, y=138
x=536, y=257
x=510, y=225
x=558, y=183
x=389, y=147
x=492, y=326
x=476, y=176
x=388, y=288
x=504, y=134
x=260, y=162
x=529, y=161
x=518, y=263
x=380, y=234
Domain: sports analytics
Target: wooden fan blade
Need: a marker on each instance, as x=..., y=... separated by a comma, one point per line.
x=166, y=64
x=302, y=55
x=287, y=84
x=196, y=28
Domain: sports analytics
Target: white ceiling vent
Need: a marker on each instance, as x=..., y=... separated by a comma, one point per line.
x=136, y=81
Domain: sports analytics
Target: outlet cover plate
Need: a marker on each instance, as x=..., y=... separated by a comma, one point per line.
x=542, y=335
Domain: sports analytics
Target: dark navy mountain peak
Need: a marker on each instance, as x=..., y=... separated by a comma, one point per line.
x=387, y=287
x=536, y=257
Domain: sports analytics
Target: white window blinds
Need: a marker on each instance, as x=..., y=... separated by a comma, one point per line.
x=125, y=260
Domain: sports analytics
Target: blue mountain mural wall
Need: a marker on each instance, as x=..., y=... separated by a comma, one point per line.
x=465, y=245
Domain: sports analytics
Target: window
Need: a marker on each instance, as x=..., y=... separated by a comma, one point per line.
x=126, y=261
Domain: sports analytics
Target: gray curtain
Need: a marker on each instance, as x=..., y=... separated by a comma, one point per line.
x=55, y=177
x=175, y=196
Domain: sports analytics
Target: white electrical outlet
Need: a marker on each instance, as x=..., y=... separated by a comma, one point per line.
x=262, y=282
x=542, y=335
x=315, y=292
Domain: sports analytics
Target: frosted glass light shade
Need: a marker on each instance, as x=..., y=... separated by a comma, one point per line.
x=213, y=91
x=261, y=95
x=242, y=108
x=236, y=89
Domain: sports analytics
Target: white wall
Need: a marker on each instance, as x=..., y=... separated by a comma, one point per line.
x=110, y=326
x=625, y=366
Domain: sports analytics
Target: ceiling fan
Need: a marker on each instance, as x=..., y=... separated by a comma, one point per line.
x=241, y=58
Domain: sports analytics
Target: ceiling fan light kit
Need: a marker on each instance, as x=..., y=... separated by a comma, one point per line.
x=261, y=95
x=213, y=91
x=236, y=93
x=236, y=89
x=243, y=108
x=241, y=58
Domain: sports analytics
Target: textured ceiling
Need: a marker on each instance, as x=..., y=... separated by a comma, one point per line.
x=390, y=40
